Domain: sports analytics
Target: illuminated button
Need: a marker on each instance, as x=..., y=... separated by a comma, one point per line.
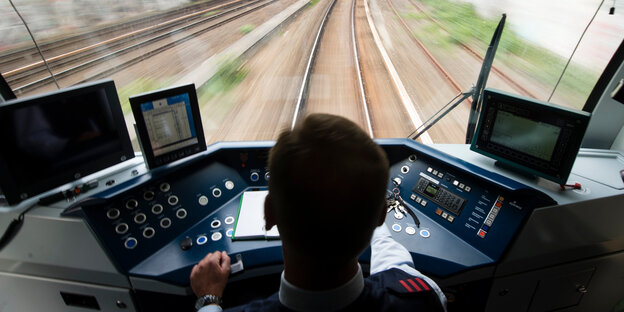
x=485, y=227
x=423, y=203
x=165, y=187
x=440, y=175
x=181, y=213
x=229, y=232
x=488, y=222
x=149, y=195
x=130, y=243
x=461, y=185
x=438, y=211
x=202, y=240
x=132, y=203
x=229, y=220
x=140, y=218
x=113, y=213
x=467, y=188
x=229, y=185
x=203, y=200
x=429, y=169
x=482, y=233
x=396, y=227
x=165, y=223
x=425, y=233
x=148, y=232
x=494, y=212
x=215, y=224
x=216, y=192
x=216, y=236
x=413, y=197
x=157, y=209
x=410, y=230
x=444, y=215
x=450, y=218
x=498, y=204
x=405, y=169
x=501, y=198
x=254, y=177
x=121, y=228
x=418, y=200
x=173, y=200
x=435, y=172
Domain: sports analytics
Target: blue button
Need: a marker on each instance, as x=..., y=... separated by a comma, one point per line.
x=485, y=227
x=202, y=240
x=130, y=243
x=425, y=233
x=229, y=232
x=396, y=227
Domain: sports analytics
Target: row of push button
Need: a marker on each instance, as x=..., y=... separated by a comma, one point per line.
x=445, y=215
x=436, y=173
x=489, y=220
x=419, y=200
x=462, y=186
x=411, y=230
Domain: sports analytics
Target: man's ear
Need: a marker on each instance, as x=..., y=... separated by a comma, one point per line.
x=269, y=216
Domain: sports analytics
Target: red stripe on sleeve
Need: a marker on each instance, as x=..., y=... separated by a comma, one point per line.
x=415, y=285
x=423, y=284
x=406, y=286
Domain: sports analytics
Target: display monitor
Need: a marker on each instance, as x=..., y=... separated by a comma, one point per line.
x=528, y=135
x=55, y=138
x=168, y=124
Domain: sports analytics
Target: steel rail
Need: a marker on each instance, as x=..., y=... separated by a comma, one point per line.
x=311, y=59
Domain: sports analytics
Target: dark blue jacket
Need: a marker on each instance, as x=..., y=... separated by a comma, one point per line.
x=391, y=290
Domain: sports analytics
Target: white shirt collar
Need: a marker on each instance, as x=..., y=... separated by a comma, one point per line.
x=338, y=298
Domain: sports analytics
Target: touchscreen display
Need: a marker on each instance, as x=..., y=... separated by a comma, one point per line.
x=169, y=123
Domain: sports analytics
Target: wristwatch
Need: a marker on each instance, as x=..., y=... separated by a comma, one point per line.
x=206, y=300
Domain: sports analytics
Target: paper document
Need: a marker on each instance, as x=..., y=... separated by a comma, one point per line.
x=250, y=220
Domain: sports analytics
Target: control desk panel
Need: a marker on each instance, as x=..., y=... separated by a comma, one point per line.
x=160, y=224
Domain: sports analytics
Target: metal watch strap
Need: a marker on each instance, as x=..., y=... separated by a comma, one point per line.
x=206, y=300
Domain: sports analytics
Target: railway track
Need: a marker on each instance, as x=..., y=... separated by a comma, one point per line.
x=19, y=57
x=80, y=60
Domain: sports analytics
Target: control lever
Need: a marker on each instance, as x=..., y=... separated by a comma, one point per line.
x=238, y=265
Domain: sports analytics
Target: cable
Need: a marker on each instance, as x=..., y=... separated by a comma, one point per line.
x=14, y=227
x=574, y=51
x=36, y=45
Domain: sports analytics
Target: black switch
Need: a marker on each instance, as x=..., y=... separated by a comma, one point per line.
x=186, y=243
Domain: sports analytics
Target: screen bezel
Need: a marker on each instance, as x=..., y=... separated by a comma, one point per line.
x=558, y=167
x=15, y=194
x=152, y=160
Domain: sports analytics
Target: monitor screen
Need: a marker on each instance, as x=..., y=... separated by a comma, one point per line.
x=529, y=135
x=168, y=124
x=58, y=137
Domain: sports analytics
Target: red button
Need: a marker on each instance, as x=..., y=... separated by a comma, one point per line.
x=481, y=233
x=498, y=204
x=438, y=211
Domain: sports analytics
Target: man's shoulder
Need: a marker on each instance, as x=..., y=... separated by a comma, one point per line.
x=395, y=290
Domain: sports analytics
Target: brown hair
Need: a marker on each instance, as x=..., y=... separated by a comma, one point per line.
x=327, y=186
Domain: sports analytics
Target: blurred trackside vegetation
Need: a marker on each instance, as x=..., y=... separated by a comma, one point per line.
x=464, y=25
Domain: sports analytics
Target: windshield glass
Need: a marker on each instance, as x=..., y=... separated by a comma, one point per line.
x=261, y=65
